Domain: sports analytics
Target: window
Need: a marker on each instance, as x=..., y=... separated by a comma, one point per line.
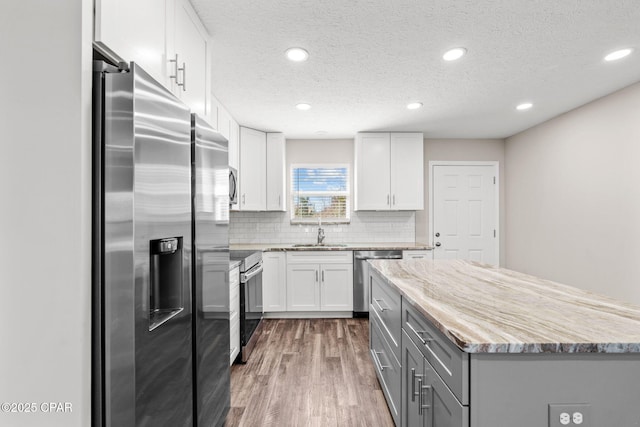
x=320, y=192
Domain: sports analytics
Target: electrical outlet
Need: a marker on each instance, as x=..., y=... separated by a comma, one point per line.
x=577, y=418
x=570, y=414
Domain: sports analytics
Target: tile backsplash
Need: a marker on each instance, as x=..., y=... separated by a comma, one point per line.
x=365, y=227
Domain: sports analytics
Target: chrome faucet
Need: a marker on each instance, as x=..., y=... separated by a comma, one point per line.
x=320, y=233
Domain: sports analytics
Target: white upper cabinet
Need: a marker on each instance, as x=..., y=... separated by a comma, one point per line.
x=234, y=145
x=135, y=31
x=224, y=122
x=151, y=33
x=262, y=171
x=276, y=172
x=253, y=170
x=372, y=174
x=407, y=171
x=389, y=171
x=188, y=58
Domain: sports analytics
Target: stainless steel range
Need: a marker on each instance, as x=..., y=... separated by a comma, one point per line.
x=250, y=299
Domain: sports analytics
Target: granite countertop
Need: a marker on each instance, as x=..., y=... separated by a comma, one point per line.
x=271, y=247
x=485, y=309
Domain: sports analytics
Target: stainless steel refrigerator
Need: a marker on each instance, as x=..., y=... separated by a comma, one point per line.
x=152, y=337
x=210, y=273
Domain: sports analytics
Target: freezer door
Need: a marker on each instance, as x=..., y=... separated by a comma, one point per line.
x=147, y=346
x=211, y=273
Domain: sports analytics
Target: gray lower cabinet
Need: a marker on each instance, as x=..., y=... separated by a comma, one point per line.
x=387, y=367
x=426, y=399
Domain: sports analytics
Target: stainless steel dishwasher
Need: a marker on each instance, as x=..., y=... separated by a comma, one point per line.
x=360, y=278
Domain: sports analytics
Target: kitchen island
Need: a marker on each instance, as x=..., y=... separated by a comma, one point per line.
x=460, y=343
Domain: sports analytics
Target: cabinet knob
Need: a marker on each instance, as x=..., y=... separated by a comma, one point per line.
x=438, y=244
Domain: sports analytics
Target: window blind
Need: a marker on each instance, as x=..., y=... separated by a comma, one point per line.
x=320, y=192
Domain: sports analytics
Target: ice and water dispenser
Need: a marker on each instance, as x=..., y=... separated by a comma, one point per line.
x=166, y=280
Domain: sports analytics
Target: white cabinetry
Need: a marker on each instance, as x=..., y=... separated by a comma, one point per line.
x=303, y=292
x=320, y=281
x=234, y=144
x=276, y=167
x=389, y=171
x=253, y=170
x=234, y=313
x=417, y=254
x=164, y=37
x=188, y=58
x=262, y=171
x=135, y=31
x=274, y=281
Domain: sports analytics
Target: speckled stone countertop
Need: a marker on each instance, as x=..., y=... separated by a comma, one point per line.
x=485, y=309
x=329, y=247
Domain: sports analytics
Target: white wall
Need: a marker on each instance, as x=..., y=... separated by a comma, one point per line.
x=573, y=197
x=461, y=150
x=45, y=182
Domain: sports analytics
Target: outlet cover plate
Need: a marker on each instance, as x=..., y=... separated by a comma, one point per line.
x=555, y=409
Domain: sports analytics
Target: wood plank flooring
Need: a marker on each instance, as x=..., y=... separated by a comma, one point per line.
x=309, y=372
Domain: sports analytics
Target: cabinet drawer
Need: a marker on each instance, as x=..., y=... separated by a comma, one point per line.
x=417, y=254
x=444, y=409
x=448, y=360
x=385, y=302
x=320, y=257
x=387, y=368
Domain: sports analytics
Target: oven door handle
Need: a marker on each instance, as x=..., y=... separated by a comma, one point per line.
x=251, y=273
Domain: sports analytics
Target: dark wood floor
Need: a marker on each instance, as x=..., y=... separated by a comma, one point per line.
x=312, y=372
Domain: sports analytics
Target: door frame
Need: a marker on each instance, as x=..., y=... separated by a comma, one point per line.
x=496, y=171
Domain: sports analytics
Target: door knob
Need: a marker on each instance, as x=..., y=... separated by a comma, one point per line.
x=437, y=234
x=438, y=244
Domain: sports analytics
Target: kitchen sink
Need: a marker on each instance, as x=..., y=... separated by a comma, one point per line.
x=315, y=245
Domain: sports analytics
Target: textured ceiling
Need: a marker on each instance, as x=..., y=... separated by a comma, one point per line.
x=369, y=58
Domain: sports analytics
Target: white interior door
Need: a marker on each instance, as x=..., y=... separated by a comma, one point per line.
x=464, y=212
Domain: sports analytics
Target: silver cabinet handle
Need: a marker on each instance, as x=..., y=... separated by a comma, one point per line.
x=419, y=334
x=244, y=200
x=279, y=196
x=421, y=404
x=175, y=69
x=387, y=199
x=414, y=393
x=316, y=275
x=184, y=77
x=377, y=360
x=394, y=200
x=323, y=276
x=378, y=304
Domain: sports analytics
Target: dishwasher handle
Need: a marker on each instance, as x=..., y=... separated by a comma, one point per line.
x=365, y=257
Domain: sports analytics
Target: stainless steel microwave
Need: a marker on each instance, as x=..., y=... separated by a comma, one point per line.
x=233, y=186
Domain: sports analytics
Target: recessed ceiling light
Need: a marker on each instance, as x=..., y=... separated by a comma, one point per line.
x=618, y=54
x=414, y=105
x=524, y=106
x=303, y=106
x=453, y=54
x=297, y=54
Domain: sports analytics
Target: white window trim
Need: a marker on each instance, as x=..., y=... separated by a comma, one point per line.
x=314, y=221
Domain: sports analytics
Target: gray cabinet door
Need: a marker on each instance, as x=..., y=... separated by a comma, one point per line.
x=441, y=408
x=412, y=376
